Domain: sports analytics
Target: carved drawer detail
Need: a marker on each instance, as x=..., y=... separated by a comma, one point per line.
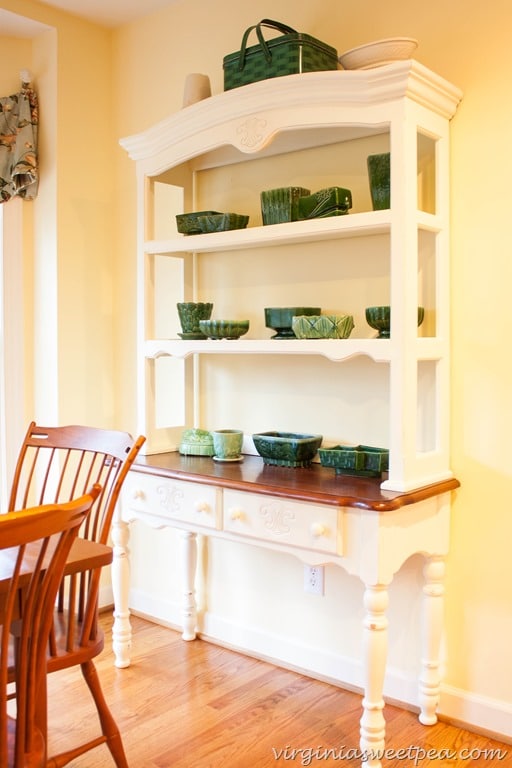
x=170, y=499
x=293, y=523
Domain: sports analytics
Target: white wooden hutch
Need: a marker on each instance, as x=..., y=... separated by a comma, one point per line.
x=219, y=154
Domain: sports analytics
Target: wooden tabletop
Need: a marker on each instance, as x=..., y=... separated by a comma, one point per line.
x=314, y=484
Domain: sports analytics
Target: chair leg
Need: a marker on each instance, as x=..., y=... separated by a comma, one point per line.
x=108, y=724
x=110, y=732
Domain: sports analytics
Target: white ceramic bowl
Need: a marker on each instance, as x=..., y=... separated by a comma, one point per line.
x=378, y=53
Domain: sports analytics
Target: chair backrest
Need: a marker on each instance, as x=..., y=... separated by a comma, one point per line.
x=57, y=464
x=34, y=546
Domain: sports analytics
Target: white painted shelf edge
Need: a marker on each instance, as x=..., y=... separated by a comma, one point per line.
x=379, y=350
x=362, y=224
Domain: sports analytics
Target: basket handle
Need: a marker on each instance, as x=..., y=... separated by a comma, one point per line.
x=266, y=51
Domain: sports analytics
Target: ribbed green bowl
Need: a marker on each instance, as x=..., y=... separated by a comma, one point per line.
x=281, y=204
x=224, y=329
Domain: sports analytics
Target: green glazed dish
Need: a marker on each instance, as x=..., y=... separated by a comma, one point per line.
x=323, y=326
x=188, y=223
x=196, y=442
x=287, y=449
x=281, y=204
x=221, y=222
x=332, y=201
x=209, y=221
x=379, y=177
x=379, y=318
x=280, y=319
x=224, y=329
x=190, y=313
x=364, y=460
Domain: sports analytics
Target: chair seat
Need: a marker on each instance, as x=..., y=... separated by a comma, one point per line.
x=59, y=649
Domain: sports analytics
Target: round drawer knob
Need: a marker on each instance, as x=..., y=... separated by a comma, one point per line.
x=138, y=493
x=319, y=529
x=202, y=506
x=236, y=514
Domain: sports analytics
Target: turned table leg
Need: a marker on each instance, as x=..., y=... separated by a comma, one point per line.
x=375, y=645
x=121, y=630
x=189, y=560
x=430, y=678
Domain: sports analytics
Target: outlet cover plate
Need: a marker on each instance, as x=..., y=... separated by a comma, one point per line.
x=314, y=579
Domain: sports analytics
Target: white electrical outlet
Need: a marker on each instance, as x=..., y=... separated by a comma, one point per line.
x=314, y=579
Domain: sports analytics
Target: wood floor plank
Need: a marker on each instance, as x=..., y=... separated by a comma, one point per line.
x=196, y=705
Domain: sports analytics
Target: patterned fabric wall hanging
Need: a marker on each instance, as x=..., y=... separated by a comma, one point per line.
x=19, y=170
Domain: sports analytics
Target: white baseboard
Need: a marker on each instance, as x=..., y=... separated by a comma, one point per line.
x=468, y=710
x=477, y=713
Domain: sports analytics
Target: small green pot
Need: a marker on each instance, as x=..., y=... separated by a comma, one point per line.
x=190, y=313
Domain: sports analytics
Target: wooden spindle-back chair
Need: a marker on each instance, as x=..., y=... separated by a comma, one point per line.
x=57, y=463
x=34, y=546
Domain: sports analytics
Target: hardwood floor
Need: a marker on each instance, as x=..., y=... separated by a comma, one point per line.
x=195, y=705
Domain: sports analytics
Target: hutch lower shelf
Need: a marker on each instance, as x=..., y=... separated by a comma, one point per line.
x=350, y=521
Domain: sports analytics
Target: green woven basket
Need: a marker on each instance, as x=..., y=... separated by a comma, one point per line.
x=290, y=53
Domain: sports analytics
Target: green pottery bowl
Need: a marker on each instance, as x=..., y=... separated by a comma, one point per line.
x=380, y=319
x=280, y=319
x=224, y=329
x=188, y=223
x=287, y=449
x=190, y=313
x=221, y=222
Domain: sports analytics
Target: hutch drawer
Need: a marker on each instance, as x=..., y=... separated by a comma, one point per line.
x=169, y=499
x=284, y=521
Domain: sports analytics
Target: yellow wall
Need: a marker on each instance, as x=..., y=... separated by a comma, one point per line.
x=19, y=53
x=468, y=43
x=72, y=297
